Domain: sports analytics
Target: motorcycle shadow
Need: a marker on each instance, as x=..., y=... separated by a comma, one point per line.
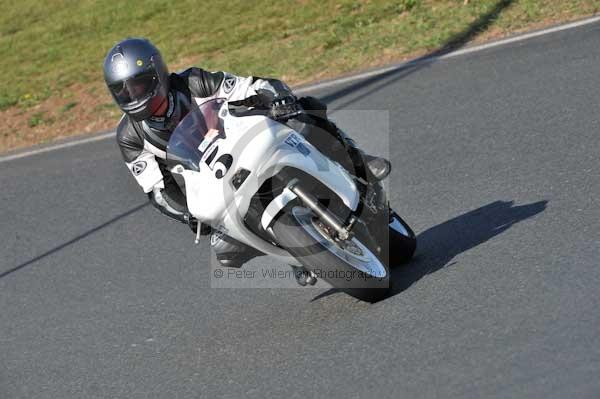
x=438, y=245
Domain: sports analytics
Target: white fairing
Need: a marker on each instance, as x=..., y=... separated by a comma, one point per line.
x=263, y=147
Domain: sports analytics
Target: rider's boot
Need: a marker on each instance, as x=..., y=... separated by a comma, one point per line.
x=230, y=252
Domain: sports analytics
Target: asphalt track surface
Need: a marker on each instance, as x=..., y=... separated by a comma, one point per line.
x=496, y=168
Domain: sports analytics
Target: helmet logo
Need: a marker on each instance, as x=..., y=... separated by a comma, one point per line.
x=139, y=63
x=119, y=64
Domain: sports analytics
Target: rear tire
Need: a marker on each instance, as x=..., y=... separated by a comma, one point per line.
x=402, y=240
x=352, y=266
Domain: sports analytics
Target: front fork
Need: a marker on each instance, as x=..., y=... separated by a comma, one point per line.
x=342, y=228
x=369, y=209
x=372, y=206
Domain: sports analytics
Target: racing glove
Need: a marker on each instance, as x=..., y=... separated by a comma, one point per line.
x=284, y=108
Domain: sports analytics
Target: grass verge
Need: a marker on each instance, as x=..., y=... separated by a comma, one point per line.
x=51, y=56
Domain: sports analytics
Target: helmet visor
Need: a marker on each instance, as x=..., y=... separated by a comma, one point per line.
x=136, y=88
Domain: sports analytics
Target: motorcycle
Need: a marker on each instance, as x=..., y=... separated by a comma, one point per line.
x=264, y=184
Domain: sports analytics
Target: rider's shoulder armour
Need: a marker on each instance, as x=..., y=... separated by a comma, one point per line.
x=201, y=83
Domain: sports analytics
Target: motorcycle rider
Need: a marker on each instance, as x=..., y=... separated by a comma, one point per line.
x=154, y=101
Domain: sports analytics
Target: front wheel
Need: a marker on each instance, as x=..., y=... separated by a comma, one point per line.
x=350, y=265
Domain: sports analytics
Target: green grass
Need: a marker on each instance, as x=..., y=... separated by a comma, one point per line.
x=69, y=106
x=39, y=118
x=47, y=46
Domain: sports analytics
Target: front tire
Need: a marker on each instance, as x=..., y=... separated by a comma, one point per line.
x=351, y=266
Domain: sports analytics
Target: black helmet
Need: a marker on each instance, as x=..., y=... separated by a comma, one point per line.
x=137, y=77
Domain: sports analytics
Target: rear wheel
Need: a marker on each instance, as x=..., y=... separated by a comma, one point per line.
x=352, y=265
x=402, y=240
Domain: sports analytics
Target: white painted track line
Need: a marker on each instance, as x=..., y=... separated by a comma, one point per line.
x=339, y=81
x=67, y=144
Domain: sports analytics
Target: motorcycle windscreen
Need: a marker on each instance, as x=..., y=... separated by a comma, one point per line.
x=195, y=134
